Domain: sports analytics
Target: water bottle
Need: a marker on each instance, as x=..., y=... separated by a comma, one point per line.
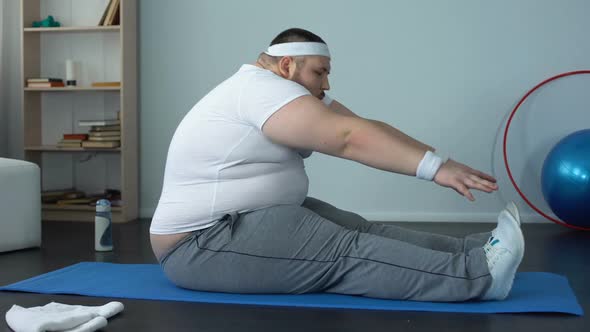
x=103, y=231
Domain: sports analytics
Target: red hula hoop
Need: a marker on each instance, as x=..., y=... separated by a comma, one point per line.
x=557, y=221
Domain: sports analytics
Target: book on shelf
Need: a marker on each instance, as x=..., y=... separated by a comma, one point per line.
x=52, y=196
x=56, y=192
x=75, y=136
x=111, y=14
x=69, y=146
x=89, y=123
x=104, y=139
x=43, y=79
x=99, y=133
x=106, y=144
x=63, y=144
x=71, y=140
x=45, y=84
x=117, y=15
x=105, y=8
x=76, y=201
x=75, y=197
x=73, y=194
x=106, y=84
x=95, y=129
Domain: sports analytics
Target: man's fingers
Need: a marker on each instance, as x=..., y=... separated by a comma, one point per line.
x=478, y=173
x=481, y=184
x=463, y=190
x=485, y=176
x=476, y=185
x=469, y=196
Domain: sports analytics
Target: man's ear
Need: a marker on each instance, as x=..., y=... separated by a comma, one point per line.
x=286, y=66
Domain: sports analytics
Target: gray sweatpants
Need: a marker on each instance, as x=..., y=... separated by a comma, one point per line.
x=319, y=248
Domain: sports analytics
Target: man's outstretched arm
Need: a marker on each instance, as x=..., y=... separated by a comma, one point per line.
x=452, y=174
x=306, y=123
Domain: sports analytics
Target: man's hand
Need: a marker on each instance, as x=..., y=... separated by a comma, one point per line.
x=462, y=178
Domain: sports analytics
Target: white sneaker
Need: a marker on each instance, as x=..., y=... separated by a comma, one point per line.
x=504, y=251
x=502, y=218
x=513, y=210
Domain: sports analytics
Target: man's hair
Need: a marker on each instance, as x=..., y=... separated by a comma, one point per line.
x=296, y=35
x=289, y=36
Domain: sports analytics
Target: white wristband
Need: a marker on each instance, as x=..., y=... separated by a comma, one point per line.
x=429, y=166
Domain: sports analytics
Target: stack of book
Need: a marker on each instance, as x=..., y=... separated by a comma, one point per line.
x=45, y=82
x=102, y=134
x=61, y=196
x=71, y=196
x=72, y=140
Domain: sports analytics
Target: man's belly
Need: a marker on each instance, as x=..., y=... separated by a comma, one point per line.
x=162, y=243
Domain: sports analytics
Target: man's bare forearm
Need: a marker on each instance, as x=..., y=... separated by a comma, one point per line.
x=381, y=146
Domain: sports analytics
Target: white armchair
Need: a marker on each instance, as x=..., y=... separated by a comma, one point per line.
x=20, y=205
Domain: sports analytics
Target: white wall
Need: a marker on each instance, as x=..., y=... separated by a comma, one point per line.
x=444, y=72
x=447, y=73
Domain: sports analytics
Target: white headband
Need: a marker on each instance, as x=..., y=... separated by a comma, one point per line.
x=298, y=48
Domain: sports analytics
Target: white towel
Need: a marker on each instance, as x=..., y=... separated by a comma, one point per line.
x=61, y=317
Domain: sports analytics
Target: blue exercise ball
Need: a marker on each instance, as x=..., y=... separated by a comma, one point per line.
x=565, y=179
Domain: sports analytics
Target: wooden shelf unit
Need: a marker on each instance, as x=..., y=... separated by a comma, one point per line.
x=34, y=105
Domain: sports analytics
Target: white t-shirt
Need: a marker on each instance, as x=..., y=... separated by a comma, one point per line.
x=219, y=161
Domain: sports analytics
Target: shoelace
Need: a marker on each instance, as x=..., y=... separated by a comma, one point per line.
x=492, y=252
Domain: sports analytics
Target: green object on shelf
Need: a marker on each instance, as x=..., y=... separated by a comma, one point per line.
x=49, y=22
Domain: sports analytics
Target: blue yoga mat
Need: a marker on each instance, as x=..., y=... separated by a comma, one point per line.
x=532, y=291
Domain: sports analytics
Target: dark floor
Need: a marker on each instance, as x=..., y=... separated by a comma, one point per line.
x=550, y=248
